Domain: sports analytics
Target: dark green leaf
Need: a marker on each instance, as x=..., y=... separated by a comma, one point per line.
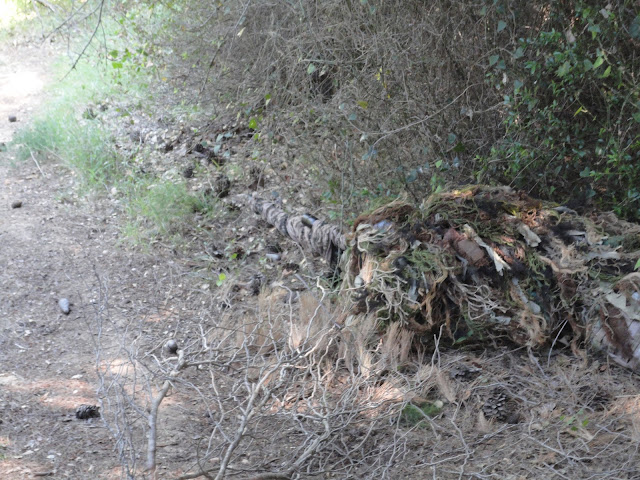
x=599, y=61
x=493, y=59
x=502, y=25
x=634, y=28
x=459, y=148
x=563, y=69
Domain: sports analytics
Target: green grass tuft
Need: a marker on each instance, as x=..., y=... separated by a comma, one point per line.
x=415, y=415
x=163, y=209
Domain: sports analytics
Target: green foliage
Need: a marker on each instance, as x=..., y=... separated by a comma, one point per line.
x=70, y=130
x=63, y=132
x=573, y=109
x=162, y=208
x=416, y=414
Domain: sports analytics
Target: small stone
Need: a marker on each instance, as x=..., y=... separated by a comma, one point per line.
x=274, y=257
x=64, y=305
x=171, y=346
x=13, y=118
x=16, y=204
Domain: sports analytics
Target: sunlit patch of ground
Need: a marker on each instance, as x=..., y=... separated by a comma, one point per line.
x=20, y=86
x=23, y=71
x=9, y=13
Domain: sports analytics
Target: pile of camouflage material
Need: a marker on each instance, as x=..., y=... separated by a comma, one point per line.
x=484, y=264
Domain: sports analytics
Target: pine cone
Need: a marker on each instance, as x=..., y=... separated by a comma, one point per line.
x=464, y=372
x=501, y=407
x=221, y=186
x=188, y=171
x=83, y=412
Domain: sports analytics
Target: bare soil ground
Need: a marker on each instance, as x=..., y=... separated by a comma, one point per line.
x=45, y=359
x=565, y=417
x=55, y=246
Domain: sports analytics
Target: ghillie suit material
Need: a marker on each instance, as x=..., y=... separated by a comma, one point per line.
x=489, y=263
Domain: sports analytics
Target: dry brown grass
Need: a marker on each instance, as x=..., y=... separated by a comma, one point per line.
x=335, y=401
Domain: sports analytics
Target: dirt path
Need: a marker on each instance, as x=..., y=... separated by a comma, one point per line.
x=56, y=246
x=48, y=250
x=24, y=70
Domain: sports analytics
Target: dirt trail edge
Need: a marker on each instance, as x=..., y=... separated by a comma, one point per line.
x=52, y=246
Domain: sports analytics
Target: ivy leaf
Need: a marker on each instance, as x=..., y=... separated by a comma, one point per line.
x=460, y=148
x=518, y=53
x=599, y=61
x=311, y=68
x=412, y=177
x=517, y=85
x=634, y=28
x=253, y=124
x=502, y=25
x=563, y=69
x=493, y=59
x=352, y=117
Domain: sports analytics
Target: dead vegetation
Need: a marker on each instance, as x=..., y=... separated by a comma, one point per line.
x=272, y=381
x=304, y=383
x=278, y=390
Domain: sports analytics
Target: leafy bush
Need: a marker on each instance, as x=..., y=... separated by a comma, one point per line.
x=573, y=108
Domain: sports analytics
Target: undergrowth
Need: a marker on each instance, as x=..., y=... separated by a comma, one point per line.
x=159, y=209
x=79, y=128
x=402, y=96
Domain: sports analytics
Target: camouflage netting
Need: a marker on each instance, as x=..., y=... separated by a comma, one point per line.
x=489, y=264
